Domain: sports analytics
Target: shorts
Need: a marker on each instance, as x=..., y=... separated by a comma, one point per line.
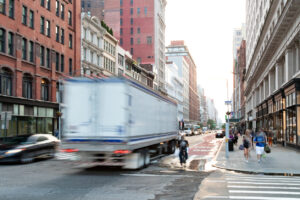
x=259, y=150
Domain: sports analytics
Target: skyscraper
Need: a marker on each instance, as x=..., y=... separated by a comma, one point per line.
x=140, y=28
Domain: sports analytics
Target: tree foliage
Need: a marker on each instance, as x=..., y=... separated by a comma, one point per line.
x=211, y=124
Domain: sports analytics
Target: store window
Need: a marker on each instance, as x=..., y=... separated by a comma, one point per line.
x=6, y=82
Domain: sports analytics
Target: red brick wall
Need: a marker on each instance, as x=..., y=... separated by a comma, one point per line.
x=19, y=66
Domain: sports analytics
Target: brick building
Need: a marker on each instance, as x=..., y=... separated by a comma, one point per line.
x=140, y=28
x=39, y=45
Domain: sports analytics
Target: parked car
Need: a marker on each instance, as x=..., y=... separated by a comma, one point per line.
x=220, y=134
x=26, y=149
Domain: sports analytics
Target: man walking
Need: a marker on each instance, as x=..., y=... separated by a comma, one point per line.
x=260, y=141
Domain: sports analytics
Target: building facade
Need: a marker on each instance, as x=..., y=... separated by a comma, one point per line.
x=39, y=46
x=202, y=106
x=273, y=68
x=140, y=28
x=174, y=87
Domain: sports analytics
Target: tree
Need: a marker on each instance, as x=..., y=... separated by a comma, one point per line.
x=223, y=126
x=211, y=124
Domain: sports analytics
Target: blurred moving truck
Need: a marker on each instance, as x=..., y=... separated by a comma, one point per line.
x=116, y=122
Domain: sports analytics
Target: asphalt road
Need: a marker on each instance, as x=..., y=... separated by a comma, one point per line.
x=55, y=179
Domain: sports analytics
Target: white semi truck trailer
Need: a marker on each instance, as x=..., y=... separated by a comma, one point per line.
x=116, y=122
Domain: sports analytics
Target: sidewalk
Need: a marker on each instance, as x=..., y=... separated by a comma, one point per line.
x=281, y=161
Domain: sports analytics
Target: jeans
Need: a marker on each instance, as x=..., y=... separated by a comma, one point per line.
x=183, y=156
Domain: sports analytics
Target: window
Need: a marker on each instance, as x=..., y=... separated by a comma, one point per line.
x=45, y=90
x=82, y=4
x=24, y=49
x=62, y=63
x=48, y=4
x=11, y=43
x=89, y=4
x=131, y=11
x=2, y=6
x=42, y=28
x=31, y=51
x=56, y=61
x=139, y=60
x=57, y=8
x=131, y=51
x=2, y=40
x=62, y=39
x=43, y=3
x=70, y=18
x=62, y=11
x=98, y=60
x=138, y=30
x=57, y=33
x=42, y=51
x=131, y=21
x=92, y=37
x=121, y=41
x=139, y=41
x=131, y=30
x=70, y=66
x=121, y=31
x=131, y=41
x=84, y=53
x=11, y=8
x=131, y=2
x=27, y=86
x=24, y=15
x=121, y=12
x=138, y=11
x=31, y=19
x=70, y=41
x=145, y=10
x=149, y=40
x=121, y=21
x=121, y=2
x=48, y=58
x=48, y=28
x=121, y=60
x=5, y=82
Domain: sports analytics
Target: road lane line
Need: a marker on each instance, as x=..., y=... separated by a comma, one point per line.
x=263, y=198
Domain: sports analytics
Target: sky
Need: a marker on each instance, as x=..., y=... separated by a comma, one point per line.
x=207, y=27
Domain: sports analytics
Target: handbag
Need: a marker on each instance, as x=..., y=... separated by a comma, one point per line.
x=267, y=149
x=241, y=147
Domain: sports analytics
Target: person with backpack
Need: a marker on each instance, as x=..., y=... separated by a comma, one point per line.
x=183, y=150
x=260, y=141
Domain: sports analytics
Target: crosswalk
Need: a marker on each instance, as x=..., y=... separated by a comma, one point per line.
x=253, y=187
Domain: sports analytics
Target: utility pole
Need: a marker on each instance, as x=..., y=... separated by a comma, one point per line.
x=227, y=122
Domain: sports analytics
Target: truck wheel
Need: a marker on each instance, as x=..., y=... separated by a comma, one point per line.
x=171, y=147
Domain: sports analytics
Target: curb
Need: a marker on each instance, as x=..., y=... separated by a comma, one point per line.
x=261, y=173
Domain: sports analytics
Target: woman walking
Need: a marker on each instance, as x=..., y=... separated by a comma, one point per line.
x=247, y=140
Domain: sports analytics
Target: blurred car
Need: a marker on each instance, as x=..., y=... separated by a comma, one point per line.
x=26, y=149
x=220, y=134
x=187, y=131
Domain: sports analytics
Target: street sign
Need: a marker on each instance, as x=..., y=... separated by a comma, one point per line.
x=228, y=102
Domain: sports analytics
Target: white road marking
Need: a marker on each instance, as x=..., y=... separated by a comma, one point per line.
x=216, y=197
x=216, y=181
x=265, y=177
x=263, y=180
x=263, y=198
x=262, y=192
x=263, y=187
x=259, y=183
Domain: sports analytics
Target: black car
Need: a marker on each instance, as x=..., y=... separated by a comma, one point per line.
x=26, y=149
x=220, y=134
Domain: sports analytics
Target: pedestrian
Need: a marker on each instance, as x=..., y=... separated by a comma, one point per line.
x=270, y=137
x=260, y=141
x=183, y=151
x=247, y=140
x=252, y=137
x=235, y=137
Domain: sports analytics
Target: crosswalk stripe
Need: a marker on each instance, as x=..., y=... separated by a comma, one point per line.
x=259, y=183
x=262, y=198
x=264, y=177
x=263, y=187
x=263, y=192
x=263, y=180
